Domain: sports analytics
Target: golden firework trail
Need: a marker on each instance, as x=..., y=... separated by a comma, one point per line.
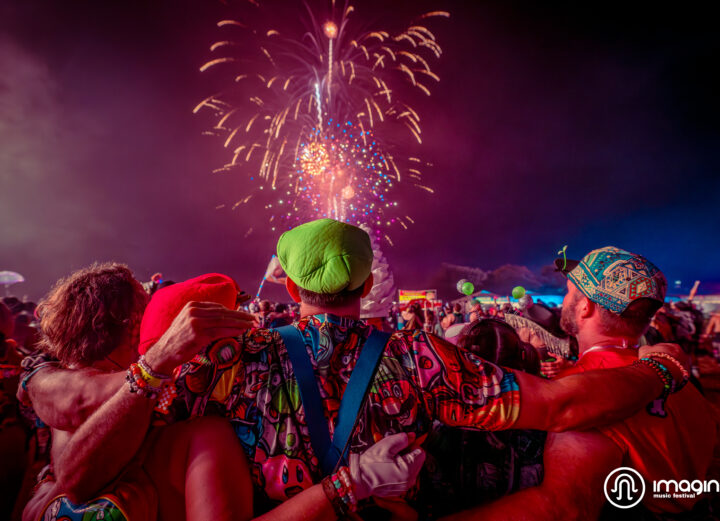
x=316, y=115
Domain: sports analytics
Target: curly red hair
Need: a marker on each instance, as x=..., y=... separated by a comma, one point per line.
x=90, y=313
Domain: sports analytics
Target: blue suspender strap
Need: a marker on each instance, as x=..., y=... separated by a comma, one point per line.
x=309, y=393
x=354, y=395
x=331, y=453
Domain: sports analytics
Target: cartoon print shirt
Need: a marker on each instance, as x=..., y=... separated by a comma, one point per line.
x=420, y=378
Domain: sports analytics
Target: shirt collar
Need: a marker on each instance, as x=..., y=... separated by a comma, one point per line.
x=329, y=318
x=320, y=325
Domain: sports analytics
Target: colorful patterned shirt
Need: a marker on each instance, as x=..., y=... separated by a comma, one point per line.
x=420, y=379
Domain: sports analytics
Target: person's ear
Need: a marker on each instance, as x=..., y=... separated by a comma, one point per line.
x=367, y=287
x=293, y=290
x=586, y=307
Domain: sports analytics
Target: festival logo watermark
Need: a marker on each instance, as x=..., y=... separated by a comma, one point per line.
x=684, y=489
x=625, y=488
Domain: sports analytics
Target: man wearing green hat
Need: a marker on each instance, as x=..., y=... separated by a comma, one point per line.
x=259, y=379
x=326, y=257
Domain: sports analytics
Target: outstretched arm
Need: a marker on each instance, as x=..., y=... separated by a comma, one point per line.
x=591, y=399
x=576, y=465
x=466, y=391
x=586, y=400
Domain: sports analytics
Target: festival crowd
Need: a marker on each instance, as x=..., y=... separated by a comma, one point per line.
x=188, y=400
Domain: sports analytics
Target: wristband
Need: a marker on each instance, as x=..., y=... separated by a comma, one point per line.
x=343, y=485
x=331, y=493
x=657, y=406
x=146, y=368
x=151, y=380
x=139, y=384
x=685, y=375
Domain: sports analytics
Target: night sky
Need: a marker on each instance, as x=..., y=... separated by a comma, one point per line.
x=586, y=125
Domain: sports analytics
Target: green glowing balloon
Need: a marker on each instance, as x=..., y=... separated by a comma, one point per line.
x=468, y=288
x=518, y=292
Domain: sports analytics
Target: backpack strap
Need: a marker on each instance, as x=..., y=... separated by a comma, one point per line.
x=332, y=453
x=354, y=395
x=309, y=393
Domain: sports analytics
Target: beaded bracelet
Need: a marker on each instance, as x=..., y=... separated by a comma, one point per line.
x=657, y=406
x=343, y=498
x=146, y=369
x=662, y=371
x=685, y=375
x=337, y=503
x=139, y=384
x=151, y=381
x=348, y=496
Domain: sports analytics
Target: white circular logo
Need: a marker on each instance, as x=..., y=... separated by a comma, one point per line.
x=624, y=487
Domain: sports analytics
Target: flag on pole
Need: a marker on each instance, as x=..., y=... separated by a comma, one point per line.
x=274, y=272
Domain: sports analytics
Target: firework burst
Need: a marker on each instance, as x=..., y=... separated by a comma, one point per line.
x=320, y=118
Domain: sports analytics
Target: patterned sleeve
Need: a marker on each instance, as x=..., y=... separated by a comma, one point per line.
x=205, y=383
x=461, y=389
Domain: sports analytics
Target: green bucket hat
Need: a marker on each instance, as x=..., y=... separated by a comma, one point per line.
x=326, y=256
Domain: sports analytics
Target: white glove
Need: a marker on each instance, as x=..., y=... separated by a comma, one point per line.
x=381, y=472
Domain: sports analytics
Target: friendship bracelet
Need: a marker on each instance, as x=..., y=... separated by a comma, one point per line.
x=138, y=383
x=685, y=374
x=344, y=475
x=150, y=379
x=663, y=372
x=331, y=493
x=343, y=486
x=657, y=406
x=342, y=497
x=145, y=367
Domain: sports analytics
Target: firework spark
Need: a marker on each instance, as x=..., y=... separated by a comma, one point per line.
x=317, y=118
x=341, y=172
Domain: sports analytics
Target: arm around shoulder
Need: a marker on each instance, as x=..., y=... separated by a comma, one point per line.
x=64, y=398
x=103, y=445
x=584, y=401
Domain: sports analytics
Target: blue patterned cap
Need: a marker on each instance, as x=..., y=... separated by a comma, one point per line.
x=613, y=278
